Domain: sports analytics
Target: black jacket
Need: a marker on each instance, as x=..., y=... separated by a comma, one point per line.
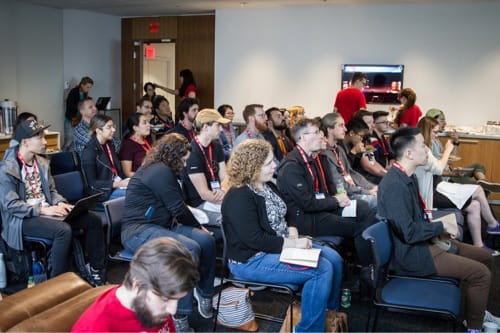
x=398, y=202
x=97, y=169
x=246, y=225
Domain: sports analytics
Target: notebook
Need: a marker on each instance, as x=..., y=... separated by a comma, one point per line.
x=102, y=102
x=82, y=206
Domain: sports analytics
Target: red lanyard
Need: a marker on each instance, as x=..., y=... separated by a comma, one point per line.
x=383, y=144
x=322, y=172
x=146, y=146
x=420, y=199
x=229, y=134
x=190, y=132
x=208, y=160
x=339, y=161
x=110, y=155
x=33, y=186
x=306, y=161
x=249, y=133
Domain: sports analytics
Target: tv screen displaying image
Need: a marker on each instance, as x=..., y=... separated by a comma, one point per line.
x=383, y=81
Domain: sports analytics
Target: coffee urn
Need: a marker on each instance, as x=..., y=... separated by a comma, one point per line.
x=8, y=115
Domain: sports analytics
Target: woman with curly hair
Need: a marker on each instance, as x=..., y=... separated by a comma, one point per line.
x=408, y=113
x=256, y=229
x=154, y=207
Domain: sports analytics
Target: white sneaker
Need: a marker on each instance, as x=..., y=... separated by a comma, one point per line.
x=491, y=318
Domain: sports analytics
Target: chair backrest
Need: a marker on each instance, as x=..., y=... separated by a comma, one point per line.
x=379, y=236
x=113, y=209
x=62, y=162
x=70, y=185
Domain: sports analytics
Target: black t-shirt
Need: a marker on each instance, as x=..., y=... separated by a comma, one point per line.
x=197, y=163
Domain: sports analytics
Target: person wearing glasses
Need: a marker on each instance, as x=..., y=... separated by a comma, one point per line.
x=100, y=163
x=378, y=141
x=351, y=99
x=256, y=121
x=313, y=205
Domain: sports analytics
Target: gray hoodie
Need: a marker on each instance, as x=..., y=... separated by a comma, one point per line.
x=13, y=204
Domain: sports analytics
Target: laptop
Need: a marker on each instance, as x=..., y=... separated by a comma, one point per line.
x=82, y=206
x=102, y=102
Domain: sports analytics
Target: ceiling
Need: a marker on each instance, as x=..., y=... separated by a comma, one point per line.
x=132, y=8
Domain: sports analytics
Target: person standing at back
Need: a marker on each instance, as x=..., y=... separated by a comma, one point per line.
x=71, y=115
x=351, y=99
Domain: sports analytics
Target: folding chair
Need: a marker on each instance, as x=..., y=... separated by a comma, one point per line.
x=290, y=289
x=406, y=294
x=113, y=210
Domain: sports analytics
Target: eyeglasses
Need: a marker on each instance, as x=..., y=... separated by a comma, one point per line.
x=315, y=132
x=382, y=122
x=108, y=127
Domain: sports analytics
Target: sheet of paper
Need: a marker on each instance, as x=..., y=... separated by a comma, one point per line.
x=350, y=211
x=302, y=257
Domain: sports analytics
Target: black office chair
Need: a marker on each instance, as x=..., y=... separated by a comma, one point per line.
x=402, y=293
x=113, y=210
x=291, y=290
x=62, y=162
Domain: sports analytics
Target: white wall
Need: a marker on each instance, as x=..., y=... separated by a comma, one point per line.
x=287, y=56
x=92, y=47
x=42, y=47
x=31, y=59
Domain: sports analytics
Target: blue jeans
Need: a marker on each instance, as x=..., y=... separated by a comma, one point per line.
x=321, y=285
x=198, y=242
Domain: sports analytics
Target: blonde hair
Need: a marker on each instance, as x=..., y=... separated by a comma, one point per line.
x=246, y=162
x=294, y=112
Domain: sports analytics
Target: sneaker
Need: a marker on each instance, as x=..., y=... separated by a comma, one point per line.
x=204, y=305
x=491, y=318
x=182, y=324
x=493, y=230
x=492, y=187
x=96, y=277
x=493, y=253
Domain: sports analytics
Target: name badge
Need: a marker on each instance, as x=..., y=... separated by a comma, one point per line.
x=215, y=185
x=319, y=196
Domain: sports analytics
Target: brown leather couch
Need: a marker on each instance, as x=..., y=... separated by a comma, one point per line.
x=51, y=306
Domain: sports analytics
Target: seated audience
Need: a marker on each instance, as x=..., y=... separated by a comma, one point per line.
x=313, y=208
x=256, y=121
x=162, y=116
x=378, y=141
x=154, y=207
x=160, y=274
x=206, y=167
x=360, y=156
x=100, y=163
x=478, y=172
x=296, y=113
x=228, y=133
x=135, y=147
x=356, y=186
x=275, y=135
x=87, y=110
x=186, y=112
x=31, y=205
x=256, y=229
x=413, y=251
x=476, y=205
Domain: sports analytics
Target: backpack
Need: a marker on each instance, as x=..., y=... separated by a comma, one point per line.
x=17, y=263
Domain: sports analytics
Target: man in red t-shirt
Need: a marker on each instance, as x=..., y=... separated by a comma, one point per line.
x=351, y=99
x=161, y=273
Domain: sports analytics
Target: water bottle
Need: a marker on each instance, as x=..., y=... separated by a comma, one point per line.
x=31, y=282
x=3, y=273
x=339, y=185
x=37, y=270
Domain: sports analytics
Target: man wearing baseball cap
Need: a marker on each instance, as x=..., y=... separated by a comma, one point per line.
x=29, y=199
x=206, y=169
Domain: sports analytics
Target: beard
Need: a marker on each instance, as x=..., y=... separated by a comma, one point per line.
x=144, y=313
x=261, y=127
x=280, y=127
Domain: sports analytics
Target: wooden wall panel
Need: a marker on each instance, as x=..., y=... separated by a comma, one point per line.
x=195, y=49
x=194, y=38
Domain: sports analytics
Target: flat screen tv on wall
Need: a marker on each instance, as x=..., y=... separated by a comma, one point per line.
x=383, y=81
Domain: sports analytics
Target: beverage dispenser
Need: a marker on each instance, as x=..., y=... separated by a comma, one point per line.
x=8, y=115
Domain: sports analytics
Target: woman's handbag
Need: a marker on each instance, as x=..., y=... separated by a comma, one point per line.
x=235, y=309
